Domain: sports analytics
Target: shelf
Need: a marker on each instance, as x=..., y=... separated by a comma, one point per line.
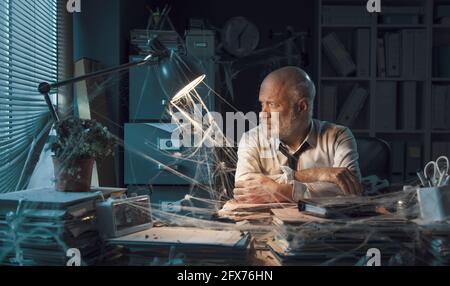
x=331, y=26
x=432, y=33
x=400, y=26
x=441, y=26
x=398, y=79
x=400, y=131
x=440, y=131
x=440, y=79
x=335, y=78
x=360, y=130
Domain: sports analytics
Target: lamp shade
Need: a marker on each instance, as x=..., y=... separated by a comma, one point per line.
x=178, y=75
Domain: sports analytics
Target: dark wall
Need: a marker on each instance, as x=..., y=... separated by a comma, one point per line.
x=269, y=16
x=101, y=32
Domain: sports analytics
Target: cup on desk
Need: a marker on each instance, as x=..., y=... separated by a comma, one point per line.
x=434, y=203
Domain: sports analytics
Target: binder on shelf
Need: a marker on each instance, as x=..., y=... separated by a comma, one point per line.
x=408, y=53
x=392, y=45
x=398, y=157
x=440, y=105
x=328, y=102
x=442, y=56
x=413, y=158
x=352, y=106
x=440, y=149
x=338, y=56
x=420, y=53
x=381, y=58
x=386, y=105
x=362, y=51
x=409, y=103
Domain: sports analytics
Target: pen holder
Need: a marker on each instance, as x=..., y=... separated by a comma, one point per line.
x=434, y=203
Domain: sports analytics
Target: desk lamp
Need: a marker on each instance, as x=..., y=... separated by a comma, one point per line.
x=178, y=75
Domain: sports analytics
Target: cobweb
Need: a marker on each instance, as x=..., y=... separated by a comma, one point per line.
x=314, y=242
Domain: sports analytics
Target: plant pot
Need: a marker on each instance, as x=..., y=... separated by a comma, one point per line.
x=73, y=176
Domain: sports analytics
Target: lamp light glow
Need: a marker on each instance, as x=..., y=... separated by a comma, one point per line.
x=188, y=88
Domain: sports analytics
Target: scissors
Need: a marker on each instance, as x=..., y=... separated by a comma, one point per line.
x=436, y=172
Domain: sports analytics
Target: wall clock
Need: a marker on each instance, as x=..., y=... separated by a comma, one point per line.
x=240, y=37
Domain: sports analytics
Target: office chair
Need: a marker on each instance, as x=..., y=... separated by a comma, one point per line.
x=374, y=157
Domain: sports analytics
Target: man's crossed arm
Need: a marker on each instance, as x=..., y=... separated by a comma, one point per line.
x=258, y=188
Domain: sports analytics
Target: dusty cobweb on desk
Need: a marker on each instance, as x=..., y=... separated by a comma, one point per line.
x=292, y=238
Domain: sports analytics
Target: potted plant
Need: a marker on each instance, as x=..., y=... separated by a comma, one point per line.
x=78, y=143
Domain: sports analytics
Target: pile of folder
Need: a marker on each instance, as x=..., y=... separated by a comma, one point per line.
x=301, y=239
x=38, y=227
x=435, y=244
x=164, y=246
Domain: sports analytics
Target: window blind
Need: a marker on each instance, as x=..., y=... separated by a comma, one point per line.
x=28, y=56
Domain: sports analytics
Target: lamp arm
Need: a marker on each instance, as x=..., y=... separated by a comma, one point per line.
x=45, y=87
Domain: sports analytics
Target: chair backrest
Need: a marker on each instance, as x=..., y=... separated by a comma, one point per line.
x=374, y=157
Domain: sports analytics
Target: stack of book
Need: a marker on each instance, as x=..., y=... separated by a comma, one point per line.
x=185, y=246
x=38, y=227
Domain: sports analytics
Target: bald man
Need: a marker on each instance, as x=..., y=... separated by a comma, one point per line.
x=313, y=158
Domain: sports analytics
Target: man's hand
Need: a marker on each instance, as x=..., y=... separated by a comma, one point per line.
x=342, y=177
x=259, y=189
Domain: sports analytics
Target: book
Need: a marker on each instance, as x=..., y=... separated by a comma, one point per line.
x=440, y=149
x=440, y=105
x=352, y=106
x=328, y=97
x=392, y=46
x=409, y=103
x=398, y=157
x=337, y=54
x=381, y=58
x=385, y=106
x=362, y=51
x=413, y=158
x=420, y=54
x=408, y=53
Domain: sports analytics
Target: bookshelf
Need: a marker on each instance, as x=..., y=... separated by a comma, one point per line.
x=406, y=101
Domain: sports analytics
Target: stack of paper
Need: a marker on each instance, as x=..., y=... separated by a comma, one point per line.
x=252, y=212
x=301, y=239
x=38, y=227
x=185, y=246
x=435, y=243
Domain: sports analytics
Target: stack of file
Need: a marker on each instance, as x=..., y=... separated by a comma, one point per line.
x=435, y=244
x=301, y=239
x=185, y=246
x=37, y=227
